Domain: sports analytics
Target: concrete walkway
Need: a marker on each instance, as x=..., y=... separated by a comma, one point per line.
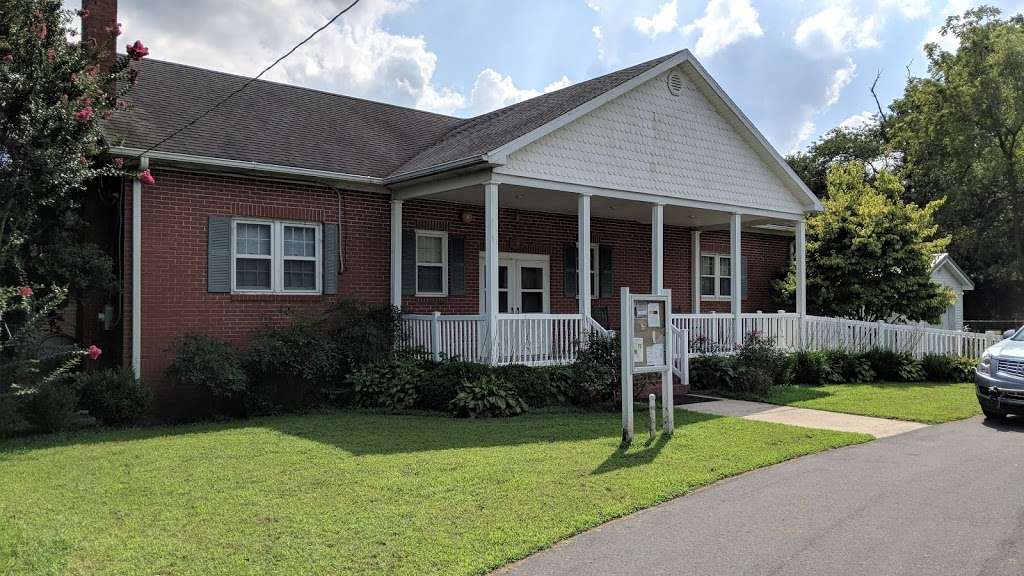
x=805, y=417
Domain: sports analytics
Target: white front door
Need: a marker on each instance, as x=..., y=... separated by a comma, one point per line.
x=523, y=284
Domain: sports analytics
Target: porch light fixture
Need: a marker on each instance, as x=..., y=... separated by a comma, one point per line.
x=466, y=216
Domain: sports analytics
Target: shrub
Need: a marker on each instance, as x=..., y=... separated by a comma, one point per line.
x=52, y=407
x=388, y=383
x=813, y=369
x=712, y=372
x=12, y=409
x=363, y=332
x=895, y=366
x=205, y=362
x=113, y=396
x=440, y=382
x=752, y=381
x=540, y=386
x=760, y=354
x=943, y=368
x=488, y=396
x=850, y=366
x=597, y=372
x=294, y=367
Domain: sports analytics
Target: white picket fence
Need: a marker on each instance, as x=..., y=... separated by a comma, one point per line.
x=710, y=333
x=545, y=339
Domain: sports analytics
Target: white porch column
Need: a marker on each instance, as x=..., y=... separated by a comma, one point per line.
x=657, y=248
x=396, y=253
x=491, y=258
x=801, y=268
x=695, y=241
x=736, y=268
x=583, y=260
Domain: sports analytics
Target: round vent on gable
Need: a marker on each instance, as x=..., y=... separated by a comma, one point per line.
x=675, y=83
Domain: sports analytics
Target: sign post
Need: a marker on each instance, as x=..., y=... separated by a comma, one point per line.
x=646, y=349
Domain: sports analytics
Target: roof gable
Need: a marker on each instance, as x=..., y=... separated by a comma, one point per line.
x=943, y=265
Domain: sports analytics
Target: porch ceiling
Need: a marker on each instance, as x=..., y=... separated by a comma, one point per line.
x=553, y=201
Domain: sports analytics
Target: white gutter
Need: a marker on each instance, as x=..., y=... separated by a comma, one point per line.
x=244, y=165
x=137, y=270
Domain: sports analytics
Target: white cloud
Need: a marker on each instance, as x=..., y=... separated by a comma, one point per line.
x=911, y=9
x=836, y=30
x=663, y=21
x=840, y=79
x=802, y=135
x=492, y=90
x=858, y=121
x=724, y=22
x=949, y=42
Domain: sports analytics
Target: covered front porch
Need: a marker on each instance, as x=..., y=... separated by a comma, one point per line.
x=506, y=269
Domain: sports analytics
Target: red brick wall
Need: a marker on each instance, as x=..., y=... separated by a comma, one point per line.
x=175, y=300
x=176, y=209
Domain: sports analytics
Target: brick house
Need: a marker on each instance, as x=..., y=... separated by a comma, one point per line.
x=285, y=199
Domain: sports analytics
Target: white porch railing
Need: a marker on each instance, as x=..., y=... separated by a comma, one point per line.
x=544, y=339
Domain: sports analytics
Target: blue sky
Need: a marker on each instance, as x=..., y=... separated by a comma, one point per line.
x=797, y=68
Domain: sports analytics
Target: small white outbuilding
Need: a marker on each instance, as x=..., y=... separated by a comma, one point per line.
x=945, y=272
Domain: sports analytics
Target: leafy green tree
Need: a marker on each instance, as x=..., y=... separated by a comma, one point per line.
x=869, y=254
x=961, y=133
x=52, y=100
x=865, y=144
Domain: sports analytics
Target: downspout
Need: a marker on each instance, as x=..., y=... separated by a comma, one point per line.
x=137, y=270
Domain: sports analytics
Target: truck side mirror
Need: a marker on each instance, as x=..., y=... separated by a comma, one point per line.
x=1008, y=333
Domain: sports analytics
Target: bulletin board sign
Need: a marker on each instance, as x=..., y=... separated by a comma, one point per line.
x=645, y=325
x=648, y=339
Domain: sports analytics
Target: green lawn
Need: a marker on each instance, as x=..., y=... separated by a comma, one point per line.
x=352, y=493
x=927, y=402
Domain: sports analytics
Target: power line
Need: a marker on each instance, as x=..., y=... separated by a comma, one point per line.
x=249, y=81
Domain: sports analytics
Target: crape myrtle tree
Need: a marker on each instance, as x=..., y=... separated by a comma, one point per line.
x=869, y=254
x=54, y=92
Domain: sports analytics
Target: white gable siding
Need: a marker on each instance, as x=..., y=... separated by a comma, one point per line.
x=953, y=318
x=652, y=142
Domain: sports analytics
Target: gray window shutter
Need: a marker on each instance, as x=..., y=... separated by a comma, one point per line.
x=571, y=268
x=743, y=278
x=606, y=280
x=218, y=257
x=408, y=262
x=330, y=264
x=456, y=265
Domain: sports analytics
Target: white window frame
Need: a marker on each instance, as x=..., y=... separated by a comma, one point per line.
x=717, y=296
x=595, y=273
x=277, y=256
x=443, y=265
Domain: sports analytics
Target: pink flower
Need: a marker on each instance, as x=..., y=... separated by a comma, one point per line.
x=146, y=178
x=119, y=162
x=83, y=13
x=25, y=292
x=8, y=58
x=137, y=51
x=41, y=31
x=94, y=352
x=51, y=55
x=84, y=115
x=73, y=78
x=107, y=115
x=83, y=160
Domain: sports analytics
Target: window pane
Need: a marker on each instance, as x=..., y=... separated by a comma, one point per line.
x=299, y=275
x=252, y=274
x=725, y=286
x=725, y=267
x=533, y=302
x=503, y=302
x=299, y=241
x=252, y=239
x=428, y=279
x=531, y=278
x=502, y=277
x=593, y=259
x=428, y=249
x=707, y=265
x=593, y=285
x=707, y=286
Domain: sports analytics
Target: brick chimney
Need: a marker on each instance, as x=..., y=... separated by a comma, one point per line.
x=99, y=31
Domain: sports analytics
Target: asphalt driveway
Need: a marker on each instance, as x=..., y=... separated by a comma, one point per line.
x=947, y=499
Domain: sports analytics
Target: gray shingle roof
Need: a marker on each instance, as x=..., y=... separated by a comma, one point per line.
x=285, y=125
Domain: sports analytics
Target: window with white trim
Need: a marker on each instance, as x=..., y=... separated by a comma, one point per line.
x=276, y=256
x=715, y=276
x=431, y=263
